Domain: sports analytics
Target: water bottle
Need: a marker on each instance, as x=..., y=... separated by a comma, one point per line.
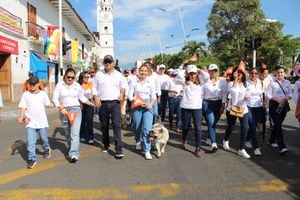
x=279, y=108
x=65, y=121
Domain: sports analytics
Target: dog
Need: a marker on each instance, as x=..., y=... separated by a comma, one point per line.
x=160, y=135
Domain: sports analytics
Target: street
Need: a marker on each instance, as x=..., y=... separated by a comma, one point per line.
x=178, y=174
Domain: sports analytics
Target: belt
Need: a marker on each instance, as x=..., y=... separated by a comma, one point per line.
x=110, y=101
x=213, y=99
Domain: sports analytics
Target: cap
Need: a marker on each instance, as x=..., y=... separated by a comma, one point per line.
x=213, y=67
x=33, y=80
x=170, y=70
x=30, y=73
x=162, y=66
x=192, y=69
x=175, y=72
x=108, y=58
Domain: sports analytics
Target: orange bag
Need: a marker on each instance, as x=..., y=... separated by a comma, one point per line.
x=138, y=101
x=71, y=117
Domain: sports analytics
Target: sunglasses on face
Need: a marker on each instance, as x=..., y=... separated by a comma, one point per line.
x=86, y=77
x=254, y=73
x=71, y=77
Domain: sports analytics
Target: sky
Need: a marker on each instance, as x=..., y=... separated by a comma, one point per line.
x=142, y=30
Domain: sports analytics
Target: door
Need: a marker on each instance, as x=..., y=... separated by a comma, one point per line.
x=5, y=76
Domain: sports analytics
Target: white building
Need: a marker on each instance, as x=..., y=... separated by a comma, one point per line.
x=24, y=26
x=105, y=27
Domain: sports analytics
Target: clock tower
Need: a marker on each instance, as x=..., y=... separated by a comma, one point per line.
x=105, y=27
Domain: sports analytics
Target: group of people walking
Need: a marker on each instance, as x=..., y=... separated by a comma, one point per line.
x=192, y=94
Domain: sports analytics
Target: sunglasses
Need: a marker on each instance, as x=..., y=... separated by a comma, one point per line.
x=86, y=77
x=71, y=77
x=107, y=61
x=254, y=73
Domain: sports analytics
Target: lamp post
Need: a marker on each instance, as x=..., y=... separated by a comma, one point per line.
x=178, y=13
x=159, y=41
x=149, y=45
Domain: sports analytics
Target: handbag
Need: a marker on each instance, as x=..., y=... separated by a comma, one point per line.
x=237, y=111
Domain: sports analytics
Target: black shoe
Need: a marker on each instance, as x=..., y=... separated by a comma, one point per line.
x=47, y=154
x=105, y=149
x=31, y=164
x=119, y=155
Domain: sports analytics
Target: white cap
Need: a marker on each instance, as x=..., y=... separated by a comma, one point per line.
x=162, y=66
x=192, y=68
x=213, y=67
x=170, y=70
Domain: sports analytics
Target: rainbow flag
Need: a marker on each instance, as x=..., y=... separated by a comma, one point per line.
x=52, y=44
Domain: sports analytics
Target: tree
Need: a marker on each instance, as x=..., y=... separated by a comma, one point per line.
x=193, y=47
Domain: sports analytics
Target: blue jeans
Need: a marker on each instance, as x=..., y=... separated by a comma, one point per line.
x=244, y=126
x=186, y=115
x=142, y=124
x=211, y=113
x=175, y=109
x=73, y=131
x=31, y=141
x=111, y=109
x=254, y=115
x=87, y=123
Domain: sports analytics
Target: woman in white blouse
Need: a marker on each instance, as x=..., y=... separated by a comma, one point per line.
x=279, y=92
x=237, y=97
x=255, y=106
x=191, y=106
x=66, y=96
x=215, y=97
x=143, y=114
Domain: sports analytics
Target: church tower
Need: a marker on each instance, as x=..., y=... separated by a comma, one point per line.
x=105, y=27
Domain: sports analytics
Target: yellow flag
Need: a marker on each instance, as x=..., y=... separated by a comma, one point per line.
x=74, y=50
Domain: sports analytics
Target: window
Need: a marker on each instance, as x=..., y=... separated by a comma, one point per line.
x=31, y=14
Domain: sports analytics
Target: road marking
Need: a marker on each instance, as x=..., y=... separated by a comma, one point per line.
x=167, y=190
x=21, y=173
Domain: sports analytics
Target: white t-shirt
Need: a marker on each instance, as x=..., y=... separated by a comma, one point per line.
x=255, y=93
x=192, y=96
x=35, y=108
x=237, y=96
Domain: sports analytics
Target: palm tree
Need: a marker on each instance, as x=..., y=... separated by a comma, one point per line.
x=193, y=47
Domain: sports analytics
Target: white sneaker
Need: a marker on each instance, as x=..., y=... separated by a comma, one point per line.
x=282, y=151
x=91, y=141
x=138, y=146
x=257, y=152
x=214, y=147
x=82, y=140
x=248, y=144
x=243, y=153
x=226, y=145
x=148, y=156
x=274, y=145
x=208, y=142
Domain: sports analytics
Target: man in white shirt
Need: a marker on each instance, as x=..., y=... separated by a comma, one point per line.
x=164, y=100
x=110, y=86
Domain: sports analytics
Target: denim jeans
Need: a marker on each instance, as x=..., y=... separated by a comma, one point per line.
x=244, y=121
x=175, y=109
x=87, y=124
x=211, y=113
x=142, y=124
x=31, y=141
x=186, y=115
x=111, y=109
x=278, y=118
x=254, y=115
x=73, y=131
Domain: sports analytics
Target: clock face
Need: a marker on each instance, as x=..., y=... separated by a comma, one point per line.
x=105, y=16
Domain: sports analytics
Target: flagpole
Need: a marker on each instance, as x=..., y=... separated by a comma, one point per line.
x=60, y=37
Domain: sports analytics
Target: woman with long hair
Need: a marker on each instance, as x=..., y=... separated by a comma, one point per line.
x=87, y=123
x=237, y=97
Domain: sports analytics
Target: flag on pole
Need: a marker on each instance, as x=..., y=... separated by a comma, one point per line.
x=74, y=49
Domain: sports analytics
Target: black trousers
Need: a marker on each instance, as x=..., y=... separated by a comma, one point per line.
x=111, y=110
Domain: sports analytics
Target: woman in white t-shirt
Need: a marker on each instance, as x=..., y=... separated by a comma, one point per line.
x=237, y=97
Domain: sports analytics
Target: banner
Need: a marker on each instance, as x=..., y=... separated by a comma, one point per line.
x=9, y=45
x=52, y=44
x=74, y=49
x=10, y=22
x=38, y=66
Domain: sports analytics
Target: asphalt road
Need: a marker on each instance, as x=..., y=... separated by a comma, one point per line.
x=177, y=175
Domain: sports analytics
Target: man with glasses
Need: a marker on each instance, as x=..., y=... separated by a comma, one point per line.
x=110, y=85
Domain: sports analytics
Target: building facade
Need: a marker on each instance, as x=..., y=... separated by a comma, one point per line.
x=105, y=27
x=25, y=30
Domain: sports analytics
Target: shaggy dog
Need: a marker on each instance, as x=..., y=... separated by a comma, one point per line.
x=161, y=137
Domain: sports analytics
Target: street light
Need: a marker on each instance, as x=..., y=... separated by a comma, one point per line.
x=149, y=45
x=159, y=41
x=178, y=13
